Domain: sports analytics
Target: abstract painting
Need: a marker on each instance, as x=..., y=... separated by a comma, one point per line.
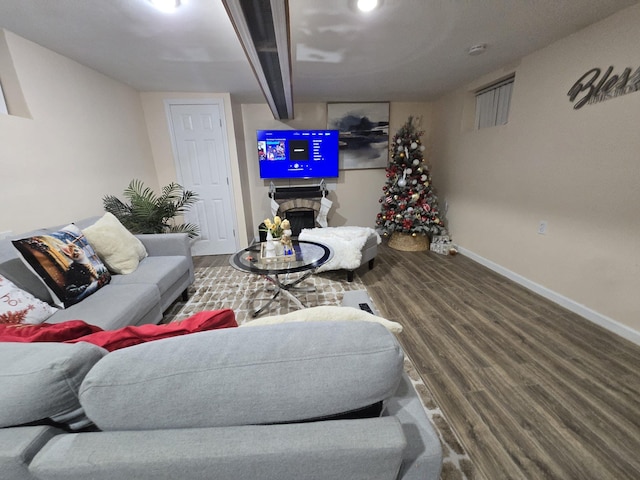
x=364, y=133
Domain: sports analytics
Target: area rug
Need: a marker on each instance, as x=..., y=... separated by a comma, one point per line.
x=225, y=287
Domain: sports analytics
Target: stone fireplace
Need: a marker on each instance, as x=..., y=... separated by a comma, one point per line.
x=301, y=212
x=300, y=205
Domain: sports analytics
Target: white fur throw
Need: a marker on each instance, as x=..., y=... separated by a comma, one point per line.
x=346, y=243
x=326, y=313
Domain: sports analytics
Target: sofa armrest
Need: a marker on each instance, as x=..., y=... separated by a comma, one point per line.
x=423, y=455
x=165, y=244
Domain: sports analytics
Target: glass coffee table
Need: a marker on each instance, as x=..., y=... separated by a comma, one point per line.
x=308, y=257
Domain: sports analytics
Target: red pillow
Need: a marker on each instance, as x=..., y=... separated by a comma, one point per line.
x=46, y=332
x=128, y=336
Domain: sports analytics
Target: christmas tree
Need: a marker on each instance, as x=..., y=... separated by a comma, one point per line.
x=409, y=203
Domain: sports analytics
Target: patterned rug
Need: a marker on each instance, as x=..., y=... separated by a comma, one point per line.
x=224, y=287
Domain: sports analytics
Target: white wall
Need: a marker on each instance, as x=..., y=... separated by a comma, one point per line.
x=84, y=137
x=579, y=170
x=354, y=194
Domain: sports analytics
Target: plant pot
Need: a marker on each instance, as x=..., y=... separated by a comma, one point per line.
x=408, y=243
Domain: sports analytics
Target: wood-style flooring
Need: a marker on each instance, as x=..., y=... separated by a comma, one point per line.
x=533, y=390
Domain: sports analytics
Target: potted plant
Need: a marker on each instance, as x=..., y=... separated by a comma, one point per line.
x=147, y=212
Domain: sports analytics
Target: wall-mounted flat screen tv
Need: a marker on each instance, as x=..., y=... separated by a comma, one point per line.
x=298, y=153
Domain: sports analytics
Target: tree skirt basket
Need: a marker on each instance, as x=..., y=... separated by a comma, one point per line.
x=408, y=243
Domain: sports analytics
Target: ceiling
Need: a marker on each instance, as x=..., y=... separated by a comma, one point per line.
x=407, y=50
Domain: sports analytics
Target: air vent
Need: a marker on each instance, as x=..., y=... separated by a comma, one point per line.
x=263, y=29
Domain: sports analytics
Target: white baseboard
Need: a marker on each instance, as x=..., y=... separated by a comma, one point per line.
x=591, y=315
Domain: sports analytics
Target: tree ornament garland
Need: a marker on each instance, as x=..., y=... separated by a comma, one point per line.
x=408, y=203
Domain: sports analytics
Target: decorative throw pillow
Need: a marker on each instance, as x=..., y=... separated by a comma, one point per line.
x=20, y=307
x=66, y=263
x=326, y=313
x=118, y=248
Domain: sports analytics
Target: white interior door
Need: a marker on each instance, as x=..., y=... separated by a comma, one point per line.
x=202, y=163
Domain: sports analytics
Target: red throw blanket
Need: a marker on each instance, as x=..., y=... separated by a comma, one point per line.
x=74, y=331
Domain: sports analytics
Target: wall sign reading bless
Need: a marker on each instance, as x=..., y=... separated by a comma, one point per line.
x=598, y=88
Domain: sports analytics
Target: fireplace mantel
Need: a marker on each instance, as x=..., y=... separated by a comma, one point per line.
x=300, y=205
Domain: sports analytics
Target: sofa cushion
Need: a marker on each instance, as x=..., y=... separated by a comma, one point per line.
x=19, y=307
x=367, y=449
x=41, y=381
x=116, y=306
x=271, y=374
x=162, y=271
x=66, y=263
x=118, y=248
x=18, y=446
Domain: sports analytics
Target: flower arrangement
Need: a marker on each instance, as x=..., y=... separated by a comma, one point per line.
x=276, y=226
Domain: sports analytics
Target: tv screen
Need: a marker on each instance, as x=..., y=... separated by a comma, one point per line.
x=298, y=153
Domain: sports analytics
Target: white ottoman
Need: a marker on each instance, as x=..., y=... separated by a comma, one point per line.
x=352, y=246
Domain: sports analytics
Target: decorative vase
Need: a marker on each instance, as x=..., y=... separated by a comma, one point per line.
x=271, y=245
x=408, y=243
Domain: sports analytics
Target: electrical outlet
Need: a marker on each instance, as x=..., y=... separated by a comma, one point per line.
x=542, y=227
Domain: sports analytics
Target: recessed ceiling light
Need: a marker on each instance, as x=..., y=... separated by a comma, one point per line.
x=367, y=5
x=165, y=5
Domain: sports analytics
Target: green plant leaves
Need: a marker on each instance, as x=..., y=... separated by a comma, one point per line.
x=147, y=212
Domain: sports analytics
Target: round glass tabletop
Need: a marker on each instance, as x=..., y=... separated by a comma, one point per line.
x=308, y=255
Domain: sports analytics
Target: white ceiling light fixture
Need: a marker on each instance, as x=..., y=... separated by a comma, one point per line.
x=166, y=5
x=367, y=5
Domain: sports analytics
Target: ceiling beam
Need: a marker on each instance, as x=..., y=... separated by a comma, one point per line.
x=263, y=29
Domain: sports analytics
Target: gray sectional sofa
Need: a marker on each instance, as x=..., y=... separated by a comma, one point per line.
x=315, y=401
x=133, y=299
x=323, y=400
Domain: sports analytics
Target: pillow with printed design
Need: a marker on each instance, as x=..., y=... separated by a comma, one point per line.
x=18, y=307
x=66, y=263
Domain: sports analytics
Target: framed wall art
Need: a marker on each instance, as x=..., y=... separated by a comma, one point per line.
x=364, y=133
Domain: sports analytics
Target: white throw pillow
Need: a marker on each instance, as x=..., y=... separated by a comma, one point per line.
x=118, y=248
x=18, y=306
x=326, y=313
